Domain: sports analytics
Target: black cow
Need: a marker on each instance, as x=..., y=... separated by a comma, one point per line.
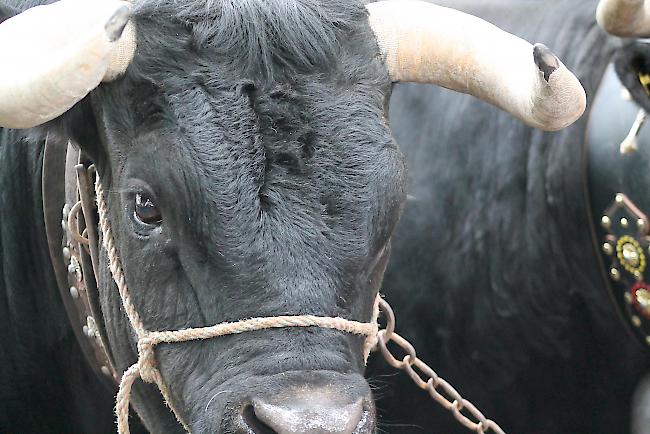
x=249, y=171
x=493, y=274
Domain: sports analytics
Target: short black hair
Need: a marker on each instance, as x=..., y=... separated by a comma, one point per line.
x=260, y=36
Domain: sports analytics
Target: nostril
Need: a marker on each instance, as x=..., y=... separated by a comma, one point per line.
x=253, y=423
x=309, y=413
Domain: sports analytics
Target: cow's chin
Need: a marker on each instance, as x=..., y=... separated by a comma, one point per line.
x=295, y=402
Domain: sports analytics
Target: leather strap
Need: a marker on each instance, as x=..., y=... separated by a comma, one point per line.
x=64, y=171
x=616, y=190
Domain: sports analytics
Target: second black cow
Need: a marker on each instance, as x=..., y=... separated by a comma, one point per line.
x=496, y=272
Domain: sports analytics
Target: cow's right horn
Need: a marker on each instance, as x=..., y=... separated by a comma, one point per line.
x=54, y=55
x=425, y=43
x=626, y=18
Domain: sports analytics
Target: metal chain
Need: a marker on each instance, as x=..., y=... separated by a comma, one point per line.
x=419, y=371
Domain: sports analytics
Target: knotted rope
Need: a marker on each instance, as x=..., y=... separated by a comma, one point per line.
x=146, y=369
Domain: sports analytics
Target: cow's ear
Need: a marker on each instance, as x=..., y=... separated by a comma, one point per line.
x=6, y=12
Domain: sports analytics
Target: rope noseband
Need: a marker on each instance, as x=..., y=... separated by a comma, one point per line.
x=146, y=369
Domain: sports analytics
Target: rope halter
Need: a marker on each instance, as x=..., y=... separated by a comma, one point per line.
x=146, y=368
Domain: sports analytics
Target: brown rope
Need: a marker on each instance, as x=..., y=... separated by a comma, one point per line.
x=145, y=368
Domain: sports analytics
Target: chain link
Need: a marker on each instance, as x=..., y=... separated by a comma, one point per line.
x=427, y=379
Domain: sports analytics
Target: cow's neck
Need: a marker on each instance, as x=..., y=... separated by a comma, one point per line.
x=40, y=357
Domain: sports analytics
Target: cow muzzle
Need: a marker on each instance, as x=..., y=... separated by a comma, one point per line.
x=327, y=403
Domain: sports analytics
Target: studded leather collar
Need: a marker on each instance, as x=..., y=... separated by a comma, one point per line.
x=70, y=223
x=617, y=181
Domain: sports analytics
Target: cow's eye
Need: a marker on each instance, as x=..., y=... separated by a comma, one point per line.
x=146, y=210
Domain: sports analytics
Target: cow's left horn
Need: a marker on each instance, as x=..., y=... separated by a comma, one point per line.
x=626, y=18
x=54, y=55
x=425, y=43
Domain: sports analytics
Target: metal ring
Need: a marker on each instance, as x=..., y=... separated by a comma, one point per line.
x=73, y=224
x=390, y=318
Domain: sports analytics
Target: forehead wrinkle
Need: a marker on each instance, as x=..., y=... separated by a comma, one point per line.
x=293, y=241
x=219, y=136
x=352, y=165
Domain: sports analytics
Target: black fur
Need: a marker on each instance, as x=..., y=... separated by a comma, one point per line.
x=43, y=376
x=492, y=273
x=6, y=13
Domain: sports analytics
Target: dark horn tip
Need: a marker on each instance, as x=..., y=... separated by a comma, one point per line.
x=545, y=60
x=116, y=24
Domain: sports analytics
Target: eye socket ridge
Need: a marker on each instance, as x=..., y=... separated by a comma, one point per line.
x=145, y=210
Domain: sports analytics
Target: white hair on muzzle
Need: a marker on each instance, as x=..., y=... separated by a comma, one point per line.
x=425, y=43
x=626, y=18
x=54, y=55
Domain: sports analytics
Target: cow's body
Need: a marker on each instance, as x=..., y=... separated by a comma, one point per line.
x=492, y=273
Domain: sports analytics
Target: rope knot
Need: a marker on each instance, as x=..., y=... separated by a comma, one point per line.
x=371, y=342
x=146, y=360
x=372, y=339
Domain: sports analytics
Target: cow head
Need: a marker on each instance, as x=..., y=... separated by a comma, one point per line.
x=250, y=171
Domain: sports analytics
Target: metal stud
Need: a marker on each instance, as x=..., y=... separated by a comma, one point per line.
x=628, y=298
x=640, y=223
x=606, y=222
x=624, y=222
x=608, y=249
x=629, y=254
x=614, y=273
x=647, y=340
x=85, y=330
x=66, y=211
x=74, y=292
x=106, y=371
x=91, y=327
x=64, y=225
x=66, y=254
x=619, y=199
x=636, y=321
x=75, y=268
x=643, y=299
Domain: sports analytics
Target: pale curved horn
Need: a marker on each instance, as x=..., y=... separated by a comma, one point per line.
x=54, y=55
x=626, y=18
x=425, y=43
